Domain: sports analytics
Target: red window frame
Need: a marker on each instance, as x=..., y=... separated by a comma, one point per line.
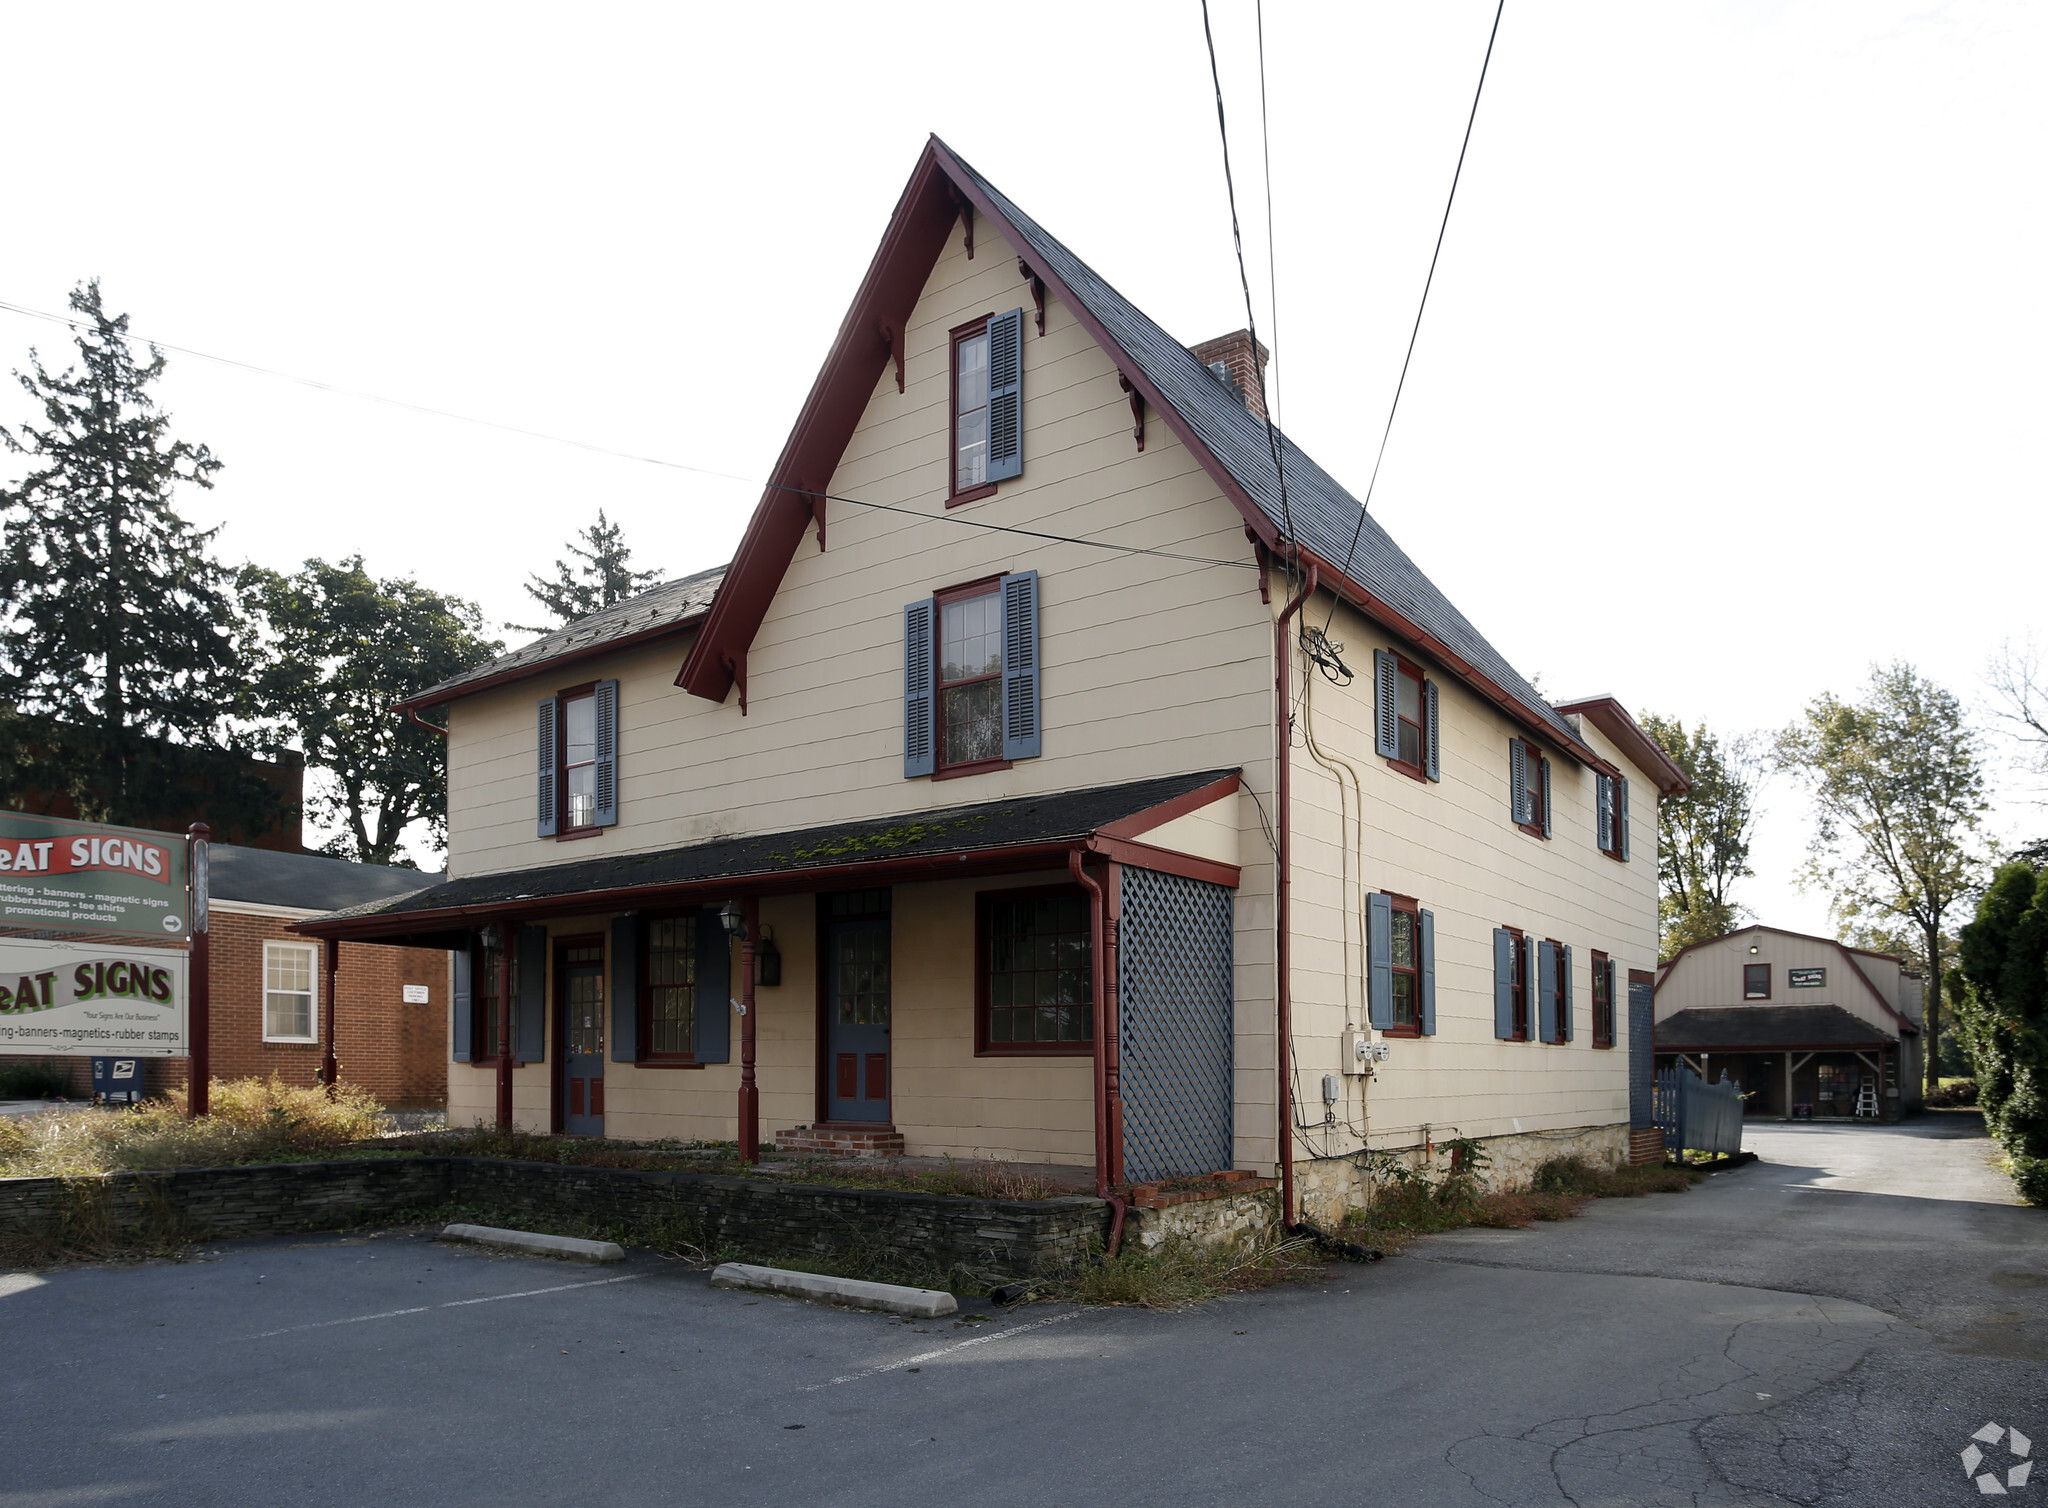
x=1532, y=772
x=643, y=1008
x=563, y=831
x=1756, y=971
x=955, y=496
x=1560, y=996
x=1412, y=908
x=1518, y=984
x=1414, y=770
x=483, y=1004
x=942, y=767
x=985, y=903
x=1603, y=1009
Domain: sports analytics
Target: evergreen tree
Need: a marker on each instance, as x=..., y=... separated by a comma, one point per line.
x=1898, y=788
x=120, y=646
x=1703, y=837
x=598, y=578
x=2003, y=1016
x=342, y=648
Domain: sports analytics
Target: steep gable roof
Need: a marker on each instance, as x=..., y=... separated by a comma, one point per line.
x=1225, y=439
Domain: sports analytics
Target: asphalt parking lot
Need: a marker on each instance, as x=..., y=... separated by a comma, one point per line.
x=1612, y=1359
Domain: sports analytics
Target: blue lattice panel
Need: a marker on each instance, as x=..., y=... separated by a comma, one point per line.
x=1175, y=985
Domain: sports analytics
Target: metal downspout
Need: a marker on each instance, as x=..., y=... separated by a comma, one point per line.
x=1283, y=923
x=1104, y=1025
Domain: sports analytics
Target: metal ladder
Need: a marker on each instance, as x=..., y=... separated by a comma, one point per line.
x=1866, y=1098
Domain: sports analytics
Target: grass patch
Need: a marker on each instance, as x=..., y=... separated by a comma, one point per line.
x=253, y=1120
x=1178, y=1275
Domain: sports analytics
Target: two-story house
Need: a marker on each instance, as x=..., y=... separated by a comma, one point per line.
x=1044, y=781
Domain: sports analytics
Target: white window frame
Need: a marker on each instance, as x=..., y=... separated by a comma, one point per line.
x=312, y=952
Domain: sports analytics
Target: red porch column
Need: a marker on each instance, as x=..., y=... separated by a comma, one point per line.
x=750, y=1094
x=330, y=1066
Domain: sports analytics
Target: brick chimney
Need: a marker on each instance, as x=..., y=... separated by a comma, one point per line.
x=1240, y=361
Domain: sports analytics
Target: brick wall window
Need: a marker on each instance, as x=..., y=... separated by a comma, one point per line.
x=289, y=992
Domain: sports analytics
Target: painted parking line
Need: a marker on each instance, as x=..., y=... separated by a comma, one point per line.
x=489, y=1298
x=921, y=1359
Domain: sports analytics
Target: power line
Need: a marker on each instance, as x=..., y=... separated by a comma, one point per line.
x=627, y=455
x=1394, y=407
x=1251, y=322
x=1272, y=257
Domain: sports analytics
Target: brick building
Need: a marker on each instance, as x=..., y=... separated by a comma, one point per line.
x=268, y=984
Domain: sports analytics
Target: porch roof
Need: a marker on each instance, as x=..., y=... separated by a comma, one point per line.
x=987, y=837
x=1740, y=1028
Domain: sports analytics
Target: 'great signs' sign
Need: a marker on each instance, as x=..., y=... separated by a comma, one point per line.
x=68, y=999
x=82, y=877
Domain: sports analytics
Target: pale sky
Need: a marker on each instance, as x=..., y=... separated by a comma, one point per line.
x=1730, y=384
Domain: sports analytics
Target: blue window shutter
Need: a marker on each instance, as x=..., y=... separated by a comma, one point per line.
x=1621, y=816
x=626, y=988
x=713, y=1019
x=1380, y=930
x=465, y=1005
x=1426, y=975
x=547, y=768
x=530, y=1000
x=1386, y=705
x=917, y=687
x=1564, y=994
x=1020, y=666
x=1431, y=764
x=1006, y=396
x=1603, y=803
x=1546, y=991
x=607, y=772
x=1503, y=984
x=1518, y=781
x=1543, y=785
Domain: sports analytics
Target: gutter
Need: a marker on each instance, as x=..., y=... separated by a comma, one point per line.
x=1283, y=885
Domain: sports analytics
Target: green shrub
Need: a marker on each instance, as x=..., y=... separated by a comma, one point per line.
x=1952, y=1094
x=32, y=1079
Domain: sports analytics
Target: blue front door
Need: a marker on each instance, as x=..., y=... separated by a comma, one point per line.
x=857, y=1067
x=579, y=986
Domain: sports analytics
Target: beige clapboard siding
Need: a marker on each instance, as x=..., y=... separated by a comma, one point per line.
x=1709, y=977
x=1452, y=846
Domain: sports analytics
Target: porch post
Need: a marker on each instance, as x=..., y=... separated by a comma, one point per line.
x=330, y=1066
x=1787, y=1116
x=1112, y=1045
x=1097, y=991
x=750, y=1094
x=508, y=942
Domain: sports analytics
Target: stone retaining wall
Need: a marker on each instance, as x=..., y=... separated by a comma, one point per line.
x=757, y=1216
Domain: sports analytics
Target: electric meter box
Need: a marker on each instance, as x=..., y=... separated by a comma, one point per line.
x=1358, y=1055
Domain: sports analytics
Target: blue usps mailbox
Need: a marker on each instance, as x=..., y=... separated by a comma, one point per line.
x=117, y=1081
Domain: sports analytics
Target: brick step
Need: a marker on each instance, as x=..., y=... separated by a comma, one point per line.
x=1645, y=1145
x=1169, y=1192
x=841, y=1141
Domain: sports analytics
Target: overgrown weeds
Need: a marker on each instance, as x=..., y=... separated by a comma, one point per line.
x=1410, y=1203
x=253, y=1120
x=1179, y=1274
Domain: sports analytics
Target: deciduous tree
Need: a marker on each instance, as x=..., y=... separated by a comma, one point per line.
x=1703, y=837
x=1898, y=788
x=341, y=648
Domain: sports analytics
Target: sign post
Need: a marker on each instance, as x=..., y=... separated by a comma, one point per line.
x=198, y=1097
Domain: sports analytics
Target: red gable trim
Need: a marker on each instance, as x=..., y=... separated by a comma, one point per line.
x=911, y=245
x=1611, y=718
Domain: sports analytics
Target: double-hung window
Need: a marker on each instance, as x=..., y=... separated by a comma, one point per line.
x=1401, y=988
x=671, y=987
x=1553, y=991
x=1529, y=787
x=1405, y=716
x=1603, y=1000
x=289, y=993
x=987, y=405
x=1036, y=985
x=579, y=747
x=1756, y=981
x=484, y=976
x=970, y=677
x=1611, y=818
x=1513, y=991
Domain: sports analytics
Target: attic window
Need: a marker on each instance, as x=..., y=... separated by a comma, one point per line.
x=987, y=405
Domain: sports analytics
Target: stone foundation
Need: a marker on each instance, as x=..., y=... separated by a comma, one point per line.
x=1328, y=1189
x=1227, y=1221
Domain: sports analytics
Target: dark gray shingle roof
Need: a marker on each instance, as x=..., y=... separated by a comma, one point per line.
x=673, y=602
x=1719, y=1028
x=306, y=881
x=1008, y=823
x=1324, y=515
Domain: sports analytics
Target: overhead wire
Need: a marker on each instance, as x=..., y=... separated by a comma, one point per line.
x=1422, y=304
x=627, y=455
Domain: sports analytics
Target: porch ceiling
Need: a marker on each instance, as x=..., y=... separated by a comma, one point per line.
x=988, y=837
x=1766, y=1027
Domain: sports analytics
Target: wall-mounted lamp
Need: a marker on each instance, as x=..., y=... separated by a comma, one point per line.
x=1753, y=948
x=733, y=919
x=767, y=958
x=489, y=937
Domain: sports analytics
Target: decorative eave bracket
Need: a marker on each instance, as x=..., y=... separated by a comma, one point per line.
x=966, y=207
x=1137, y=410
x=817, y=500
x=892, y=337
x=736, y=667
x=1037, y=290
